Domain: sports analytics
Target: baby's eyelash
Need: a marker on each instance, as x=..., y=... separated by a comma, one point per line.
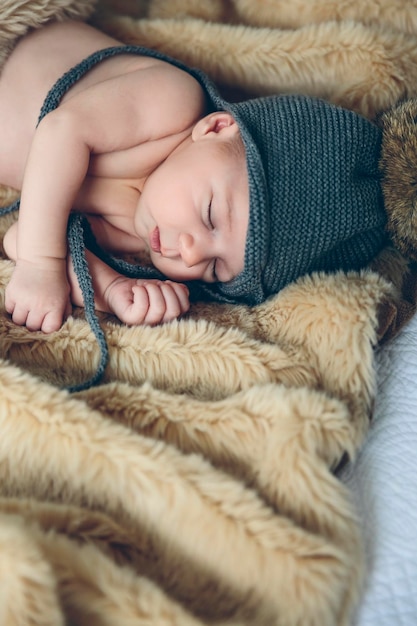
x=211, y=226
x=215, y=278
x=209, y=221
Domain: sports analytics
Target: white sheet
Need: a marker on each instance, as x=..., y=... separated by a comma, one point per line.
x=384, y=482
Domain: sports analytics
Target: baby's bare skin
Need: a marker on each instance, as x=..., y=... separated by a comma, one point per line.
x=133, y=147
x=111, y=184
x=34, y=66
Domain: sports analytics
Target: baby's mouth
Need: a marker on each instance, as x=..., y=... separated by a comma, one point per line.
x=155, y=241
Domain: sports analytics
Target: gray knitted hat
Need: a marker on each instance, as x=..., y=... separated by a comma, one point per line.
x=315, y=197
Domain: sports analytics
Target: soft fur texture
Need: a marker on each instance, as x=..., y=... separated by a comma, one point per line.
x=17, y=17
x=196, y=485
x=398, y=164
x=364, y=67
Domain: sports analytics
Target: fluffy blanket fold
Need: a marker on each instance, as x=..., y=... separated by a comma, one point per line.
x=197, y=484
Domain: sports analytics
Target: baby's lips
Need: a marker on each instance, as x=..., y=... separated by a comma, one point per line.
x=155, y=241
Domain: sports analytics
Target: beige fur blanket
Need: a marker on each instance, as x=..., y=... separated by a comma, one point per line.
x=197, y=484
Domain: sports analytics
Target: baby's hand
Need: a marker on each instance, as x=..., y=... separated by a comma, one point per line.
x=38, y=295
x=147, y=302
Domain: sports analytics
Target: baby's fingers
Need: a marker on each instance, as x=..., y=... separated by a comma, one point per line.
x=37, y=319
x=166, y=301
x=18, y=313
x=155, y=302
x=176, y=298
x=51, y=322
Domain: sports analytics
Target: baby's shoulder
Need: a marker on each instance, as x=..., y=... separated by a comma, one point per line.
x=169, y=94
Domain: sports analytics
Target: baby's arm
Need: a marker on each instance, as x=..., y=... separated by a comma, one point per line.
x=107, y=117
x=38, y=293
x=133, y=301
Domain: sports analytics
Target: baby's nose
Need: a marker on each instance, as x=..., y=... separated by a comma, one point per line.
x=191, y=250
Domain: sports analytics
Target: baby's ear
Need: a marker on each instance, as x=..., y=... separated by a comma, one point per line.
x=398, y=167
x=220, y=123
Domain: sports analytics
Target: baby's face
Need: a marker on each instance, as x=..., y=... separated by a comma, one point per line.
x=194, y=209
